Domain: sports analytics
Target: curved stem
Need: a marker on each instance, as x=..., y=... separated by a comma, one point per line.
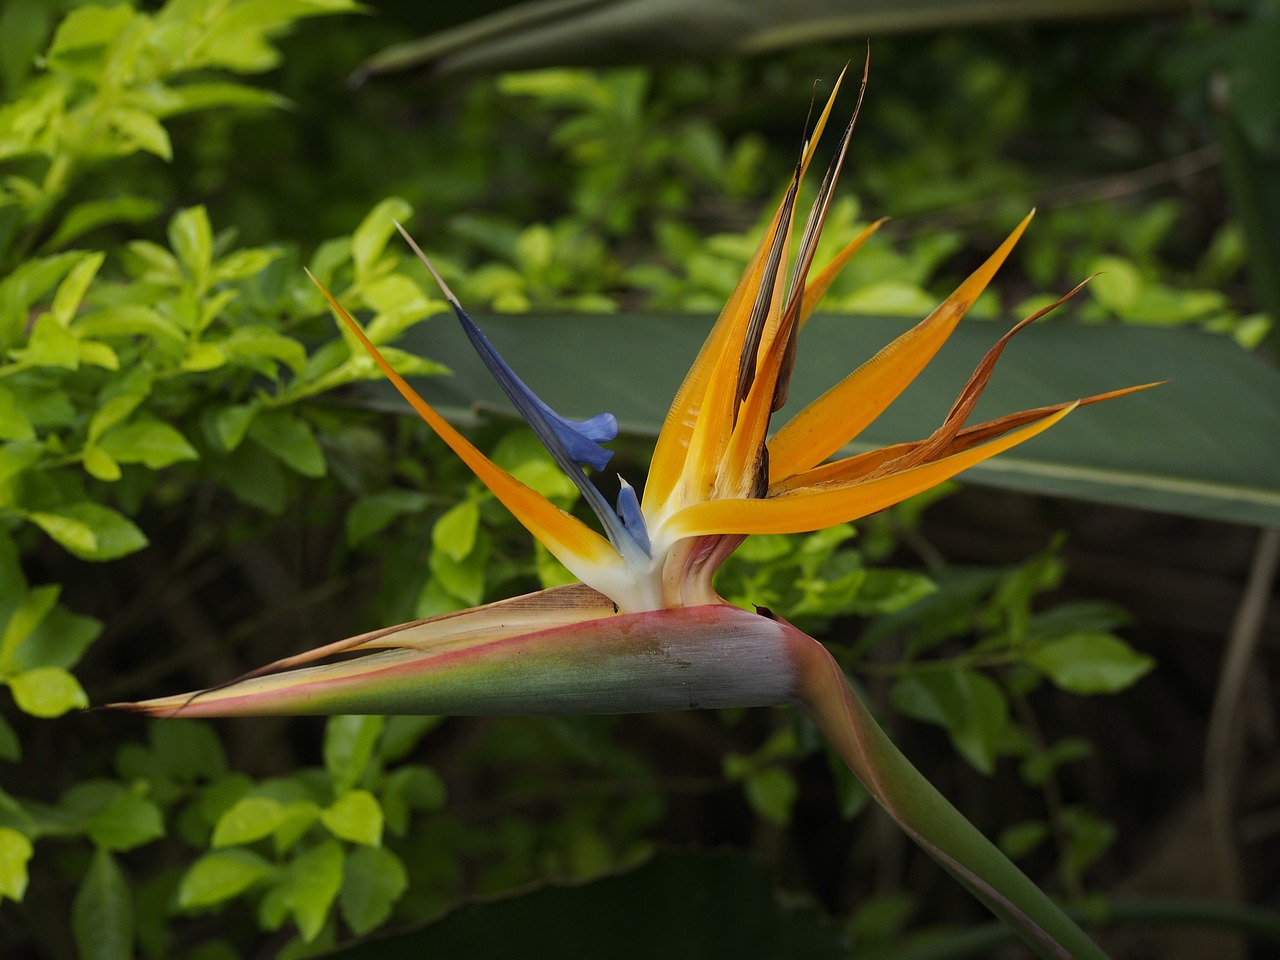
x=1263, y=925
x=928, y=817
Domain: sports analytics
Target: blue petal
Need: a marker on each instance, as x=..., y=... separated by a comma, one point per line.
x=571, y=443
x=578, y=440
x=632, y=518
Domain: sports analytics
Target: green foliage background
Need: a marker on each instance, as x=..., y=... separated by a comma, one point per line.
x=190, y=485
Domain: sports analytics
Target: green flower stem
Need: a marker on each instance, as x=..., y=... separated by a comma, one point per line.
x=928, y=817
x=1262, y=925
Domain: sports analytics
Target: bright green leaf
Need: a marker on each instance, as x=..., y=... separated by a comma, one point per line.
x=191, y=237
x=97, y=354
x=152, y=263
x=454, y=534
x=1090, y=663
x=14, y=423
x=217, y=877
x=76, y=535
x=71, y=291
x=51, y=345
x=149, y=442
x=203, y=357
x=348, y=747
x=15, y=852
x=59, y=640
x=247, y=820
x=373, y=879
x=370, y=238
x=243, y=264
x=354, y=816
x=100, y=464
x=25, y=618
x=203, y=96
x=262, y=348
x=90, y=26
x=90, y=530
x=310, y=885
x=463, y=579
x=129, y=320
x=16, y=457
x=113, y=412
x=140, y=131
x=46, y=691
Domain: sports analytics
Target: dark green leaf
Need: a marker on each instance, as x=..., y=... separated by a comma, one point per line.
x=102, y=915
x=1088, y=837
x=125, y=822
x=92, y=214
x=287, y=437
x=967, y=704
x=255, y=477
x=1020, y=839
x=1202, y=444
x=677, y=906
x=409, y=788
x=10, y=745
x=372, y=514
x=372, y=881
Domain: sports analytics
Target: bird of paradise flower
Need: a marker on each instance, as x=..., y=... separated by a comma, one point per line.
x=644, y=630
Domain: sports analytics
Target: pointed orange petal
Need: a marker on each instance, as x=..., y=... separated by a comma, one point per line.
x=571, y=541
x=670, y=455
x=815, y=508
x=844, y=411
x=863, y=465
